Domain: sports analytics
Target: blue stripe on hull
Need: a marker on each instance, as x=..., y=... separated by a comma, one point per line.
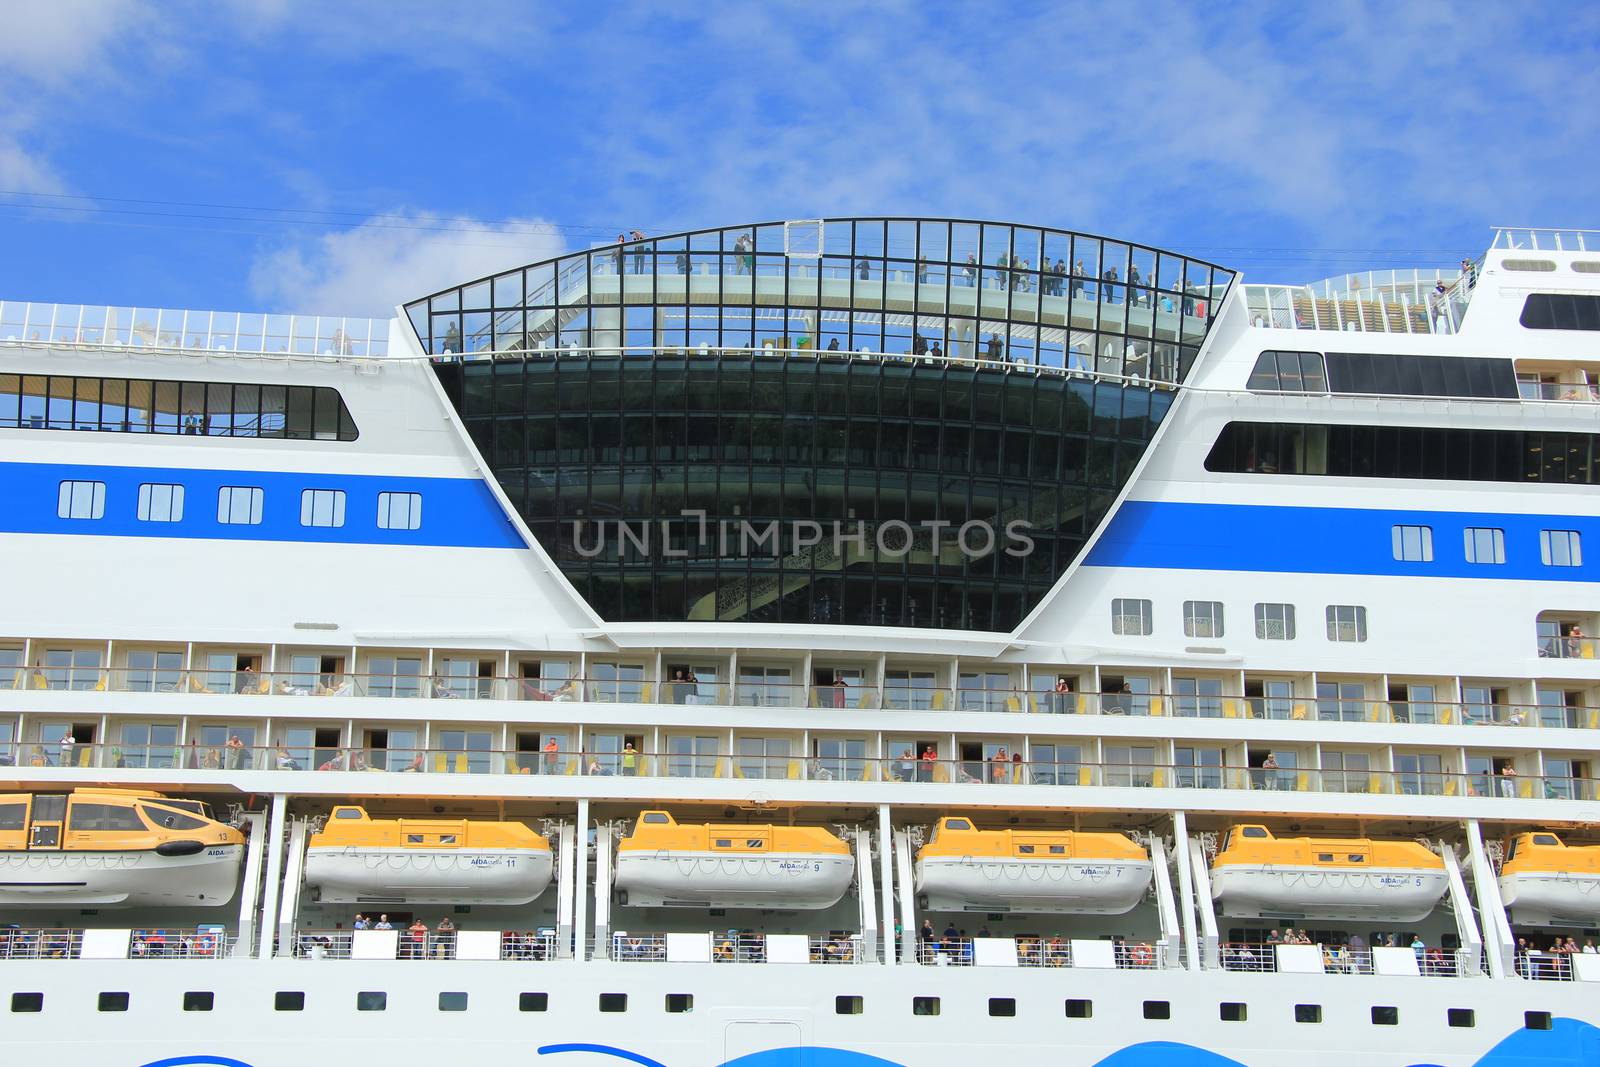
x=1307, y=540
x=456, y=512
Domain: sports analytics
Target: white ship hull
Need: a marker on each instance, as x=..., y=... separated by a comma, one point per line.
x=411, y=876
x=119, y=879
x=687, y=879
x=1379, y=895
x=1067, y=887
x=1548, y=898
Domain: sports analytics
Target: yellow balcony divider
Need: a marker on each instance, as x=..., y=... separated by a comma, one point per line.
x=1525, y=789
x=647, y=693
x=438, y=763
x=1302, y=782
x=865, y=701
x=938, y=700
x=1447, y=715
x=793, y=773
x=1230, y=709
x=1083, y=707
x=1158, y=778
x=1013, y=704
x=941, y=773
x=1377, y=712
x=1086, y=776
x=461, y=763
x=1375, y=784
x=1157, y=706
x=869, y=772
x=1300, y=713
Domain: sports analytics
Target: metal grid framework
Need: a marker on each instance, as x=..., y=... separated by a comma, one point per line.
x=917, y=371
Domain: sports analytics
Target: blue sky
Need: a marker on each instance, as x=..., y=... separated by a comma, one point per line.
x=340, y=157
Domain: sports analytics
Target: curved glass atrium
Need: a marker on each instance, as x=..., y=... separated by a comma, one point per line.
x=903, y=422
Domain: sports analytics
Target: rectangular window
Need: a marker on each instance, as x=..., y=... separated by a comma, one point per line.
x=201, y=1000
x=924, y=1005
x=1003, y=1007
x=613, y=1002
x=1461, y=1017
x=113, y=1002
x=1484, y=544
x=1275, y=622
x=27, y=1002
x=1560, y=548
x=1131, y=618
x=160, y=502
x=1536, y=1020
x=289, y=1000
x=1080, y=1009
x=1157, y=1009
x=452, y=1002
x=322, y=507
x=1414, y=544
x=239, y=505
x=679, y=1003
x=1347, y=623
x=847, y=1005
x=1384, y=1015
x=1308, y=1013
x=81, y=500
x=1232, y=1011
x=372, y=1000
x=533, y=1002
x=399, y=511
x=1202, y=618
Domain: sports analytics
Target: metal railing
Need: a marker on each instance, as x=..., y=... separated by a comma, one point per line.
x=102, y=327
x=852, y=696
x=1340, y=958
x=178, y=944
x=1039, y=952
x=40, y=943
x=1543, y=966
x=1549, y=239
x=1009, y=771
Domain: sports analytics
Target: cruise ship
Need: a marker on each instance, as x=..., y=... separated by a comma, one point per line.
x=835, y=642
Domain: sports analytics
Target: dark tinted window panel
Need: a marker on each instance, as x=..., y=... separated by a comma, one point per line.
x=1403, y=452
x=1396, y=375
x=1561, y=311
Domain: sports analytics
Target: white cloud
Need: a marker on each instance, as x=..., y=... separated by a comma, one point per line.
x=370, y=268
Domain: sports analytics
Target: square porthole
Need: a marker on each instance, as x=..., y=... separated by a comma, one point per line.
x=1003, y=1007
x=1308, y=1013
x=924, y=1005
x=848, y=1005
x=288, y=1000
x=680, y=1003
x=613, y=1002
x=1157, y=1009
x=113, y=1002
x=372, y=1000
x=1231, y=1011
x=533, y=1002
x=1385, y=1015
x=1462, y=1017
x=452, y=1002
x=1536, y=1020
x=1080, y=1009
x=201, y=1000
x=27, y=1002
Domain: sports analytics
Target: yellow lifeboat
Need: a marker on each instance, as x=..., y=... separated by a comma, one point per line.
x=357, y=859
x=1546, y=882
x=1038, y=871
x=114, y=847
x=707, y=865
x=1257, y=875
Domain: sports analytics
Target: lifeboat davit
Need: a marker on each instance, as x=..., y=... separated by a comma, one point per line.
x=1546, y=882
x=114, y=848
x=706, y=865
x=1035, y=871
x=356, y=859
x=1259, y=876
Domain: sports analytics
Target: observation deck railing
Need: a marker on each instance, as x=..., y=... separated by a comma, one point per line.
x=1002, y=768
x=89, y=326
x=1546, y=239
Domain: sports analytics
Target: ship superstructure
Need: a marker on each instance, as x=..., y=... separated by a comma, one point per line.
x=875, y=637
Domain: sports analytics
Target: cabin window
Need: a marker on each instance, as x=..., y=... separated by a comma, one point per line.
x=13, y=816
x=452, y=1002
x=1538, y=839
x=1383, y=1015
x=1560, y=548
x=680, y=1003
x=533, y=1002
x=957, y=824
x=1536, y=1020
x=399, y=511
x=1308, y=1013
x=1058, y=850
x=1232, y=1011
x=1026, y=850
x=347, y=813
x=1254, y=831
x=171, y=820
x=289, y=1000
x=113, y=1002
x=413, y=839
x=103, y=817
x=848, y=1005
x=655, y=817
x=160, y=502
x=1324, y=857
x=723, y=842
x=447, y=839
x=1157, y=1009
x=27, y=1002
x=613, y=1002
x=924, y=1005
x=1003, y=1007
x=239, y=505
x=372, y=1000
x=81, y=500
x=1080, y=1009
x=1356, y=858
x=199, y=1000
x=322, y=507
x=1461, y=1017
